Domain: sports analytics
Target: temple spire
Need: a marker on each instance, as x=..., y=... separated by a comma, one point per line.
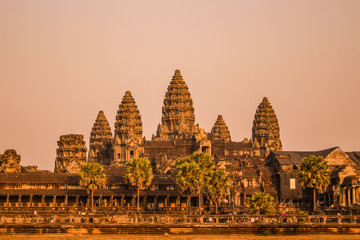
x=129, y=141
x=100, y=136
x=220, y=131
x=128, y=119
x=178, y=118
x=266, y=131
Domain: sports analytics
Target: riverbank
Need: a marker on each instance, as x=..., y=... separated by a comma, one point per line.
x=180, y=229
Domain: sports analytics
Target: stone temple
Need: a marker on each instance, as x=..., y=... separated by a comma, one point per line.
x=258, y=164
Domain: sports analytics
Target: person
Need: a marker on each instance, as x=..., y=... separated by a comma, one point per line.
x=113, y=220
x=34, y=219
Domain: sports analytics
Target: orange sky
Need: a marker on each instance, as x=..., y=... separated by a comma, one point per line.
x=63, y=61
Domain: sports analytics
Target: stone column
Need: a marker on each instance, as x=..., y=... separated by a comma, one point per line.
x=66, y=200
x=7, y=200
x=112, y=201
x=43, y=200
x=355, y=193
x=54, y=201
x=19, y=200
x=156, y=201
x=167, y=203
x=100, y=201
x=348, y=195
x=353, y=196
x=122, y=201
x=31, y=200
x=178, y=203
x=77, y=201
x=341, y=197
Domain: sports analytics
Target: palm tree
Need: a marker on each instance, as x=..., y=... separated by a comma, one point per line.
x=91, y=178
x=139, y=174
x=314, y=173
x=185, y=174
x=190, y=174
x=261, y=203
x=217, y=185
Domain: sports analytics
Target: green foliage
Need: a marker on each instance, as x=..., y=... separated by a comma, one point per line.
x=217, y=184
x=139, y=172
x=191, y=171
x=266, y=232
x=261, y=203
x=92, y=176
x=314, y=173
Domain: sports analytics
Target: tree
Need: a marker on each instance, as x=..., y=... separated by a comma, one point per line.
x=261, y=203
x=190, y=174
x=217, y=185
x=314, y=173
x=139, y=174
x=91, y=178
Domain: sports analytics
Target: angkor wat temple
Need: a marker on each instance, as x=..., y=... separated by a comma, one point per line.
x=254, y=165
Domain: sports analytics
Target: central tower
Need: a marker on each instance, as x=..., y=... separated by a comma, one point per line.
x=178, y=118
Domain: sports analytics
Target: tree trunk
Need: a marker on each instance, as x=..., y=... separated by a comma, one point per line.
x=314, y=199
x=216, y=207
x=188, y=204
x=138, y=200
x=200, y=201
x=92, y=200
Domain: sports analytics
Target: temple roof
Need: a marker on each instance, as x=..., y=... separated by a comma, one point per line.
x=355, y=156
x=295, y=157
x=114, y=176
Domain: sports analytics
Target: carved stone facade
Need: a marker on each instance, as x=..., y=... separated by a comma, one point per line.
x=128, y=139
x=265, y=131
x=220, y=131
x=10, y=161
x=100, y=138
x=250, y=166
x=71, y=153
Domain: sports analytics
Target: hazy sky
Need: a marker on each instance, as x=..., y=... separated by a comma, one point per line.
x=63, y=61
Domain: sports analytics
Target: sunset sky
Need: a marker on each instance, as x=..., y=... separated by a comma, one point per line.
x=63, y=61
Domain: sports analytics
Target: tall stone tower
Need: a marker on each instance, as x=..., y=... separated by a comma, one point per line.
x=265, y=131
x=178, y=118
x=71, y=153
x=220, y=131
x=128, y=138
x=100, y=140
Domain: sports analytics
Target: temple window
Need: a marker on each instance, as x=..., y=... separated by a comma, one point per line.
x=292, y=183
x=205, y=149
x=132, y=154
